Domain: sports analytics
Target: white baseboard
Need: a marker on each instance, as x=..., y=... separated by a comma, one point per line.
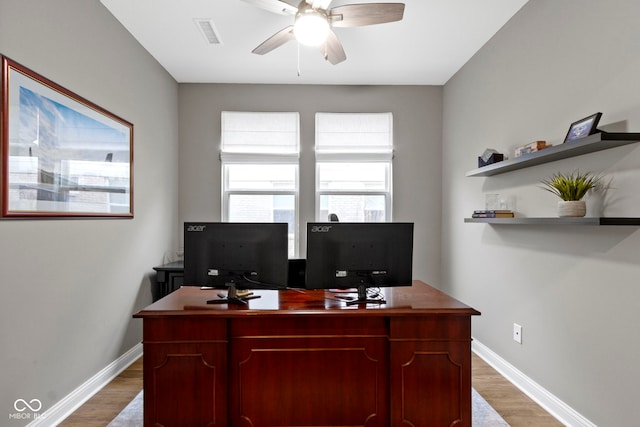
x=65, y=407
x=556, y=407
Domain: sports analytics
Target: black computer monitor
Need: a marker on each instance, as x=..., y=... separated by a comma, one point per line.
x=359, y=255
x=237, y=256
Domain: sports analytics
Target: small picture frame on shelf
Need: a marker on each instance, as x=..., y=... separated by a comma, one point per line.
x=583, y=127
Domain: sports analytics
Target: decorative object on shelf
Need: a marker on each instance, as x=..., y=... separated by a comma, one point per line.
x=493, y=213
x=583, y=127
x=489, y=157
x=499, y=202
x=492, y=201
x=574, y=208
x=531, y=147
x=571, y=188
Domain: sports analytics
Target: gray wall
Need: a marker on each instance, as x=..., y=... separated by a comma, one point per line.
x=69, y=287
x=417, y=113
x=575, y=290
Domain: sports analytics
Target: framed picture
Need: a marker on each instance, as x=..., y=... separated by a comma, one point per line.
x=583, y=127
x=62, y=155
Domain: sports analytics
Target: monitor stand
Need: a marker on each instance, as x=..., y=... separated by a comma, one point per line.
x=232, y=297
x=363, y=298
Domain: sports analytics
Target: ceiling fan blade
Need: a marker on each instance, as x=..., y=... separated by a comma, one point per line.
x=281, y=7
x=333, y=51
x=358, y=15
x=275, y=41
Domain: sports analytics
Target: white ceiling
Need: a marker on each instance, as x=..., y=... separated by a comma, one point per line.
x=433, y=41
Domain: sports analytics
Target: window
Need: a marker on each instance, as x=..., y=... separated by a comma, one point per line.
x=260, y=154
x=354, y=153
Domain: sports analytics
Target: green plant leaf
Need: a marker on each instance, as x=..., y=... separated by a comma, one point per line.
x=573, y=186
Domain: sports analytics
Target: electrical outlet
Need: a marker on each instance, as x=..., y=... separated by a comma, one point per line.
x=517, y=333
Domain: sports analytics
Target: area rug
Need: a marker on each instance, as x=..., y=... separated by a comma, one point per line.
x=483, y=414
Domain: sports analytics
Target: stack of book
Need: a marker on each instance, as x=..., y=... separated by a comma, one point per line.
x=493, y=213
x=532, y=147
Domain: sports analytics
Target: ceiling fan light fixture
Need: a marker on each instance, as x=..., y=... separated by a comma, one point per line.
x=311, y=28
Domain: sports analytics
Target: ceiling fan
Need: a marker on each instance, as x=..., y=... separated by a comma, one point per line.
x=314, y=22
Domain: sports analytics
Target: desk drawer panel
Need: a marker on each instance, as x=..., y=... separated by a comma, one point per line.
x=430, y=383
x=431, y=328
x=309, y=382
x=183, y=328
x=309, y=326
x=185, y=384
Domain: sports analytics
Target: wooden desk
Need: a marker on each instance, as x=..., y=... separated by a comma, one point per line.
x=306, y=359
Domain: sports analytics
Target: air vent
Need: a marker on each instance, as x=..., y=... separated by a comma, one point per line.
x=208, y=30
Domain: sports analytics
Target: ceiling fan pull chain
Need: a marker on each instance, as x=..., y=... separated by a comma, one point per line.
x=298, y=44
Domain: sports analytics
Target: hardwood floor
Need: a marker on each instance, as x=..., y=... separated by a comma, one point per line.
x=105, y=405
x=514, y=406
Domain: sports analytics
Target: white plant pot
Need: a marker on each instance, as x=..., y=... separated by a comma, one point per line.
x=572, y=208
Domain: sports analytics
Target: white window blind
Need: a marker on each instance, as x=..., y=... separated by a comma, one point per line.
x=257, y=133
x=368, y=134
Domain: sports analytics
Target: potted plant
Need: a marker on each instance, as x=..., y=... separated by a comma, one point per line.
x=571, y=188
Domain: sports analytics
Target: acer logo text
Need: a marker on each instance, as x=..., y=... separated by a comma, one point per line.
x=320, y=228
x=196, y=228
